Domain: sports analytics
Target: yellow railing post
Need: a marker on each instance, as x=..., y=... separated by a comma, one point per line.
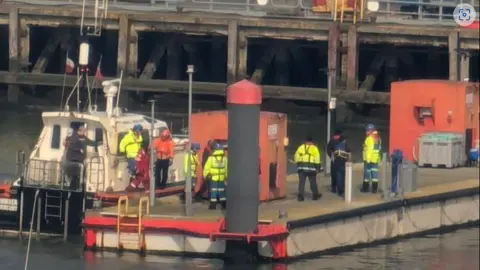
x=120, y=215
x=143, y=200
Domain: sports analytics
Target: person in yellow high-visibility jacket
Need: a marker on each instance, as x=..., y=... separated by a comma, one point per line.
x=307, y=158
x=372, y=148
x=215, y=171
x=194, y=161
x=131, y=144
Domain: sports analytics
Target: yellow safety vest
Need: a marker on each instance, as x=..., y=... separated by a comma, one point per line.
x=216, y=166
x=193, y=163
x=371, y=149
x=131, y=144
x=307, y=157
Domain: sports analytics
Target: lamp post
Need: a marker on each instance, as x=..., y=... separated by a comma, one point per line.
x=152, y=158
x=188, y=182
x=329, y=118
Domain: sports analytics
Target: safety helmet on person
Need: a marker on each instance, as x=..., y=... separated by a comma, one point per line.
x=370, y=127
x=195, y=146
x=137, y=128
x=165, y=133
x=217, y=146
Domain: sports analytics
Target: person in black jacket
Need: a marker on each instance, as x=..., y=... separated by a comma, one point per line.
x=207, y=152
x=76, y=148
x=339, y=153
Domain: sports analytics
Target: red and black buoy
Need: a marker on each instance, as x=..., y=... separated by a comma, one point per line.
x=244, y=99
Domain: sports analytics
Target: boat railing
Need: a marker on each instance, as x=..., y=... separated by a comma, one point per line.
x=54, y=175
x=96, y=174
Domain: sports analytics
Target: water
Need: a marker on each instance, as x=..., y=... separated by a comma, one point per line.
x=456, y=251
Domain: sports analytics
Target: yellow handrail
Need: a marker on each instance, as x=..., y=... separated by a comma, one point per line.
x=143, y=200
x=120, y=215
x=123, y=211
x=340, y=7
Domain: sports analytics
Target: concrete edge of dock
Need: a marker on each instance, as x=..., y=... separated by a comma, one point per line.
x=433, y=209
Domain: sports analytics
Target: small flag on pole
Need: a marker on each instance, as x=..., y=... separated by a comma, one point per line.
x=69, y=65
x=98, y=73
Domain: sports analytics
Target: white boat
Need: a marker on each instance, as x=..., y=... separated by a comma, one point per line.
x=104, y=171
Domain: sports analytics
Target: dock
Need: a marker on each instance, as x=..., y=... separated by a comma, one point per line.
x=289, y=229
x=287, y=48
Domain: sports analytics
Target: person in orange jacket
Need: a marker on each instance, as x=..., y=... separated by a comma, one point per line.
x=164, y=148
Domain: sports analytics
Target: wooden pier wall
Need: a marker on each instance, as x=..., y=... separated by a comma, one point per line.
x=339, y=43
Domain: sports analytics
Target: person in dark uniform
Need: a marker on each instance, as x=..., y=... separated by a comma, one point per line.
x=76, y=146
x=207, y=152
x=340, y=153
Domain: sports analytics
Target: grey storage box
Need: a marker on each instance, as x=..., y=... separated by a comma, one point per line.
x=441, y=149
x=408, y=176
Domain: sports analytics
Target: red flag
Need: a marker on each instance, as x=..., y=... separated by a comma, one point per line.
x=98, y=74
x=69, y=65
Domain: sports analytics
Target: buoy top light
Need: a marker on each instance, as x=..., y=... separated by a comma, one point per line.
x=244, y=92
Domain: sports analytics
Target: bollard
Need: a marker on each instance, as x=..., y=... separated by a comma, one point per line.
x=348, y=182
x=385, y=193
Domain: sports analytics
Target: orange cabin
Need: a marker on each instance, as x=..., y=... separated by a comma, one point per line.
x=423, y=106
x=273, y=137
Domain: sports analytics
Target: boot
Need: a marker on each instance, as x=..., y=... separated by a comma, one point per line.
x=300, y=198
x=317, y=196
x=365, y=187
x=224, y=205
x=374, y=187
x=212, y=206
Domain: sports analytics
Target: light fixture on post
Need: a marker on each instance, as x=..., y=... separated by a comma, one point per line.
x=262, y=2
x=373, y=6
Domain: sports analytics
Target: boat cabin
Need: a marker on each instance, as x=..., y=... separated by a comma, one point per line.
x=104, y=168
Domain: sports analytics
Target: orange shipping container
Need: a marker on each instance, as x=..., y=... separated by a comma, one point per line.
x=273, y=137
x=421, y=106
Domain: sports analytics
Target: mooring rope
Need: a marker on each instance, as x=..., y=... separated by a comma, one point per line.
x=31, y=228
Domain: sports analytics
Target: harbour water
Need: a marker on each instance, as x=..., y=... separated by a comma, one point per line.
x=453, y=251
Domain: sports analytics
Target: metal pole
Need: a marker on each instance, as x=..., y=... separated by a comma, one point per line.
x=385, y=193
x=329, y=124
x=152, y=158
x=188, y=182
x=348, y=182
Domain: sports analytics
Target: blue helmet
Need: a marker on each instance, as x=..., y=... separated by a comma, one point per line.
x=217, y=146
x=137, y=128
x=195, y=146
x=370, y=127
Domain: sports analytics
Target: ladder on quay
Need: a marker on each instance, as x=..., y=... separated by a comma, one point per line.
x=130, y=229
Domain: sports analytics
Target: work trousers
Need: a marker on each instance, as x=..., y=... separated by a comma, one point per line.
x=131, y=165
x=312, y=178
x=73, y=173
x=333, y=179
x=217, y=191
x=161, y=172
x=338, y=169
x=370, y=172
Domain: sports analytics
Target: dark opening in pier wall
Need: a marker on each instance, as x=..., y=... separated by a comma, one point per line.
x=287, y=62
x=381, y=64
x=53, y=44
x=166, y=56
x=4, y=47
